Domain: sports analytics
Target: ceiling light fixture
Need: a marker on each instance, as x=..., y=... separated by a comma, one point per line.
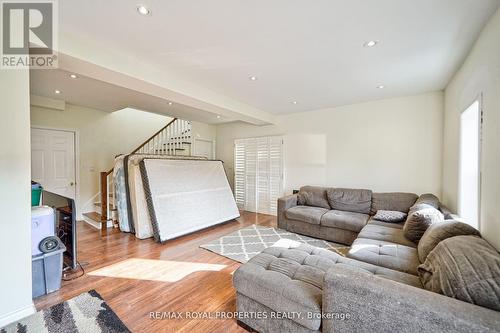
x=295, y=102
x=73, y=76
x=253, y=78
x=170, y=103
x=381, y=86
x=143, y=10
x=371, y=43
x=57, y=91
x=218, y=117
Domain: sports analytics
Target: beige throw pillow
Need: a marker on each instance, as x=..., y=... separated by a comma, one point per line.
x=438, y=232
x=419, y=219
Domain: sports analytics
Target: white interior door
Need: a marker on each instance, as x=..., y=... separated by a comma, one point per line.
x=204, y=148
x=53, y=160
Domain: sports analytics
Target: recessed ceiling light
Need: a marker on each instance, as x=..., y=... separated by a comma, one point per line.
x=170, y=103
x=253, y=78
x=295, y=102
x=218, y=117
x=143, y=10
x=73, y=76
x=381, y=86
x=370, y=43
x=57, y=91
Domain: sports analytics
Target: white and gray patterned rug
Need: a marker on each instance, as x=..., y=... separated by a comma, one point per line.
x=245, y=243
x=86, y=313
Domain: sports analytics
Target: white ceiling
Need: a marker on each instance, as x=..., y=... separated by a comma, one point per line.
x=300, y=50
x=99, y=95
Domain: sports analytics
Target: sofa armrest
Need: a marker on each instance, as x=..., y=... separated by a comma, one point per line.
x=364, y=302
x=285, y=203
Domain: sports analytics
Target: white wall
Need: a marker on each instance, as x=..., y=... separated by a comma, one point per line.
x=480, y=73
x=15, y=221
x=102, y=136
x=387, y=145
x=204, y=131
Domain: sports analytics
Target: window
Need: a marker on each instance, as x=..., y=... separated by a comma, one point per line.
x=258, y=173
x=469, y=167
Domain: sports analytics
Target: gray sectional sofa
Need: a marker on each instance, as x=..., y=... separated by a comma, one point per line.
x=429, y=272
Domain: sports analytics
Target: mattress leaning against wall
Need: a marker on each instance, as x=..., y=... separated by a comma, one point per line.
x=120, y=193
x=137, y=207
x=184, y=196
x=125, y=174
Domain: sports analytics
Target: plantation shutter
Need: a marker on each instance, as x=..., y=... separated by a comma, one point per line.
x=250, y=175
x=275, y=172
x=239, y=173
x=258, y=173
x=263, y=197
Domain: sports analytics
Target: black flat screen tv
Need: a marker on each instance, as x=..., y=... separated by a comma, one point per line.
x=65, y=222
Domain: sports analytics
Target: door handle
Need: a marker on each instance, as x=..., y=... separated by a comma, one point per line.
x=71, y=184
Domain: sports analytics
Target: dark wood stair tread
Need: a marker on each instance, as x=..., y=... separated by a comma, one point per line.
x=173, y=143
x=95, y=216
x=98, y=204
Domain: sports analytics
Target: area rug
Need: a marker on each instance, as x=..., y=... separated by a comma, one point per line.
x=248, y=242
x=85, y=313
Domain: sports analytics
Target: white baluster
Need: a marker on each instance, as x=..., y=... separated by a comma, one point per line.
x=183, y=134
x=162, y=141
x=174, y=139
x=169, y=147
x=165, y=140
x=179, y=141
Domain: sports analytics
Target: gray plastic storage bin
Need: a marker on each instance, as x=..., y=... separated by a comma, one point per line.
x=47, y=272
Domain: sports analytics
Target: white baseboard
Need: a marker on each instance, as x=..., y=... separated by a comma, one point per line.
x=17, y=314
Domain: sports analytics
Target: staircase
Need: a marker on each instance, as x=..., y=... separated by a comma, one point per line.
x=174, y=139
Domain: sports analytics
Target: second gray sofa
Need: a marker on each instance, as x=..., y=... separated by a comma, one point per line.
x=338, y=214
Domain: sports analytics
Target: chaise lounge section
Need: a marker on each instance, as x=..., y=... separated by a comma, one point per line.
x=387, y=282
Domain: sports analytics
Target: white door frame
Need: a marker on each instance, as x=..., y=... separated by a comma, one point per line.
x=205, y=140
x=77, y=160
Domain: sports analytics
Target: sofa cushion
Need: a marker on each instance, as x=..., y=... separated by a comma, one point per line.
x=391, y=216
x=291, y=279
x=344, y=220
x=386, y=224
x=341, y=236
x=466, y=268
x=438, y=232
x=314, y=196
x=306, y=214
x=350, y=200
x=428, y=199
x=392, y=201
x=386, y=254
x=387, y=234
x=421, y=216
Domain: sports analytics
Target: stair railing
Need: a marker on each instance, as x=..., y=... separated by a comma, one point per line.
x=169, y=140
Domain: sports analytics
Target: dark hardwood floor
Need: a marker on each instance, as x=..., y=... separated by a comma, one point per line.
x=180, y=289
